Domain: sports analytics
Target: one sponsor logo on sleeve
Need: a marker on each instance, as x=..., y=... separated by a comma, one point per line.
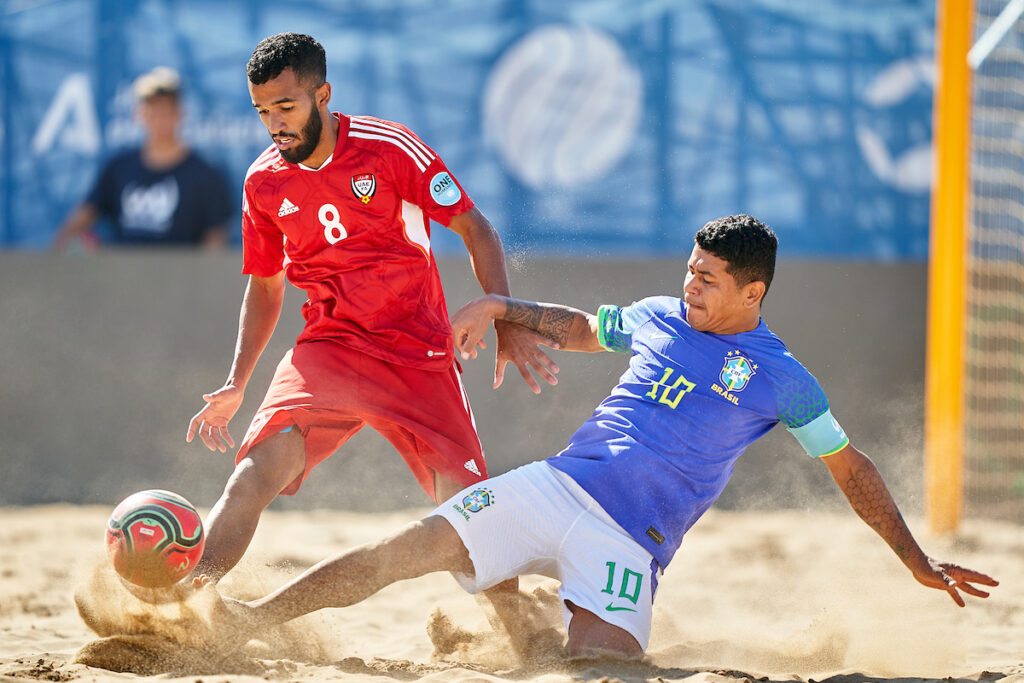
x=443, y=189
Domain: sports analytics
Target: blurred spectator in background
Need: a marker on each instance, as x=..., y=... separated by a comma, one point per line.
x=161, y=193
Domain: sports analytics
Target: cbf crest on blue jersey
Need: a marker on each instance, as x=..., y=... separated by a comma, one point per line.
x=477, y=500
x=737, y=371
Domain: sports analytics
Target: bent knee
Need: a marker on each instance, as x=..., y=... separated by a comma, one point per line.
x=590, y=636
x=441, y=540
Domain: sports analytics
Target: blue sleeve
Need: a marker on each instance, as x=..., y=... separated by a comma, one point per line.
x=615, y=325
x=803, y=408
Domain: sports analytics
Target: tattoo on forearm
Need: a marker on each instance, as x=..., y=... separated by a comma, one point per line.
x=554, y=322
x=871, y=500
x=523, y=313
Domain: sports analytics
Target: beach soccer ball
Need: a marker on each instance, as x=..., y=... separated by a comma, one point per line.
x=154, y=538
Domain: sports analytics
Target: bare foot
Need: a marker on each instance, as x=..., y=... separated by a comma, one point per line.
x=233, y=618
x=202, y=581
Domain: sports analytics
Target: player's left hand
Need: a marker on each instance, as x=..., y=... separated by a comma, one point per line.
x=519, y=345
x=950, y=577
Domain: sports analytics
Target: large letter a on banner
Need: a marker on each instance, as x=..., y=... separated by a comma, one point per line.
x=70, y=120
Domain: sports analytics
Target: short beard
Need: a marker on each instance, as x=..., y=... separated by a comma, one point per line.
x=310, y=136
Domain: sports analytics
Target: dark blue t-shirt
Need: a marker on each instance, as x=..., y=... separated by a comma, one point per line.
x=177, y=205
x=659, y=450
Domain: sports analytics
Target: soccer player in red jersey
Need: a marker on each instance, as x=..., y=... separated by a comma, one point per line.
x=341, y=207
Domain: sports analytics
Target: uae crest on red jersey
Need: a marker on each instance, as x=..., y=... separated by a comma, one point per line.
x=364, y=186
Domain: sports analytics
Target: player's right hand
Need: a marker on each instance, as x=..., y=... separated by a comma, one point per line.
x=211, y=423
x=469, y=325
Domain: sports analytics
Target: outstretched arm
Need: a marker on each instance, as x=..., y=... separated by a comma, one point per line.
x=863, y=486
x=564, y=327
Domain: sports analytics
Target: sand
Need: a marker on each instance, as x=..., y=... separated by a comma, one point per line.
x=752, y=596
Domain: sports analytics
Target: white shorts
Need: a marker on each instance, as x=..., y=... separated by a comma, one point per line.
x=537, y=520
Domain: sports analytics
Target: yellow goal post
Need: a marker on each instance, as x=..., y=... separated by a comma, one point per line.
x=974, y=376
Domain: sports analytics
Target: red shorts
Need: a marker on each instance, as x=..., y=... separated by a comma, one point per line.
x=330, y=391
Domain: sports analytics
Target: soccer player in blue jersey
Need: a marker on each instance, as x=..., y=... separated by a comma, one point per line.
x=605, y=516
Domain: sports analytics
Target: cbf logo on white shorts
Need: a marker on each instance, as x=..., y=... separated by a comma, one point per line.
x=478, y=500
x=474, y=501
x=444, y=190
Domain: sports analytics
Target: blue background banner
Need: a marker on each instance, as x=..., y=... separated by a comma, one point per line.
x=581, y=128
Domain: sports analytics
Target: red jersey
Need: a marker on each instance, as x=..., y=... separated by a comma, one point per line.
x=355, y=235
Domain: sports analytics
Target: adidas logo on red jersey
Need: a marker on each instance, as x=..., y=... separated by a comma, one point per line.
x=286, y=208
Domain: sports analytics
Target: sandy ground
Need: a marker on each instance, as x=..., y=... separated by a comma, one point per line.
x=784, y=596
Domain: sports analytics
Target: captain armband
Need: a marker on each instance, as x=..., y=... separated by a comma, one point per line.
x=610, y=334
x=821, y=436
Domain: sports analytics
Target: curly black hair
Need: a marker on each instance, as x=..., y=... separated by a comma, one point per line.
x=302, y=53
x=745, y=243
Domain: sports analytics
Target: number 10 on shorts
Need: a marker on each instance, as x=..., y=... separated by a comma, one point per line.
x=630, y=583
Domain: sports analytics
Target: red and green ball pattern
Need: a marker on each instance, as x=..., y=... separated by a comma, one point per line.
x=154, y=538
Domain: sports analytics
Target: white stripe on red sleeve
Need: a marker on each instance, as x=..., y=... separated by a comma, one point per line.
x=407, y=143
x=409, y=137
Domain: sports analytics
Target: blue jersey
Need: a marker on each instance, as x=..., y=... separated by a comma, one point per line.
x=659, y=450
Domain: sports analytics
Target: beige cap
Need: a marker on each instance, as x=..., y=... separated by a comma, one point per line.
x=160, y=81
